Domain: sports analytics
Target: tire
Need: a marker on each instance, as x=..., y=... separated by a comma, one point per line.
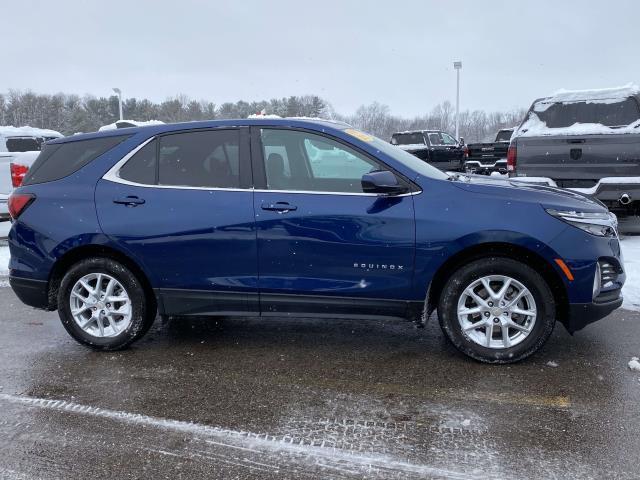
x=468, y=339
x=122, y=330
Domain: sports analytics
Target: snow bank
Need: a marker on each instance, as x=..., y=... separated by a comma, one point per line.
x=631, y=289
x=4, y=260
x=129, y=123
x=534, y=127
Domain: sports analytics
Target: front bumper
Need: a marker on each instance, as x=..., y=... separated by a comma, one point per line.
x=34, y=293
x=582, y=314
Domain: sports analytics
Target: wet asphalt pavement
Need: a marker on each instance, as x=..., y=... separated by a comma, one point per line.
x=296, y=399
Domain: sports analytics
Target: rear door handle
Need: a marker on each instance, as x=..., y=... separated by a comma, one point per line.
x=280, y=207
x=130, y=201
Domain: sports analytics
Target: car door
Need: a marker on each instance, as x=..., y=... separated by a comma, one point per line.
x=445, y=154
x=324, y=246
x=182, y=206
x=454, y=151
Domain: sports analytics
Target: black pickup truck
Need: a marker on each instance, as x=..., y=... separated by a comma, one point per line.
x=587, y=141
x=486, y=158
x=434, y=147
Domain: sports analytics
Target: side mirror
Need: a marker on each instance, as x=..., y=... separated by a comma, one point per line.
x=383, y=182
x=461, y=140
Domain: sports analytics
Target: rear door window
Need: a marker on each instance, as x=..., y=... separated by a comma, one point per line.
x=141, y=167
x=62, y=159
x=434, y=138
x=410, y=138
x=204, y=159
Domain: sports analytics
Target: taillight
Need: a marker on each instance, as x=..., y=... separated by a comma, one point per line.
x=512, y=156
x=18, y=202
x=17, y=174
x=466, y=152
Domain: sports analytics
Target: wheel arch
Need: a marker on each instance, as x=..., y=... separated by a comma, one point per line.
x=74, y=255
x=507, y=250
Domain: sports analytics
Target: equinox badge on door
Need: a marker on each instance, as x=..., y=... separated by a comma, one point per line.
x=378, y=266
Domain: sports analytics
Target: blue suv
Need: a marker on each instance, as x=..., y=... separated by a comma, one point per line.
x=292, y=217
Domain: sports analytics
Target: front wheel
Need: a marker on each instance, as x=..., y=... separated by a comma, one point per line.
x=497, y=310
x=102, y=304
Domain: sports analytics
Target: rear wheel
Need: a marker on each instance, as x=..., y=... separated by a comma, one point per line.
x=497, y=310
x=102, y=304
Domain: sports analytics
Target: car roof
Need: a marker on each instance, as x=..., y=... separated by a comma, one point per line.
x=300, y=122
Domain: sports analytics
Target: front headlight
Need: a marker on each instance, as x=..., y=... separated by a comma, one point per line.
x=602, y=224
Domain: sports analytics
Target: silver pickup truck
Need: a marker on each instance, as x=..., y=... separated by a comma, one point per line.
x=587, y=141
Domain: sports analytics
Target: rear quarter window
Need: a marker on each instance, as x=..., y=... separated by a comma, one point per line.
x=63, y=159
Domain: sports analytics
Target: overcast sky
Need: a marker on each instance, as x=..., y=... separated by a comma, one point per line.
x=399, y=52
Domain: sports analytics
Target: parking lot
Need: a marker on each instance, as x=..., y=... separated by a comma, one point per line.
x=296, y=398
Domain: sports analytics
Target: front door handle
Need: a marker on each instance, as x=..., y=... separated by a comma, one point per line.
x=280, y=207
x=130, y=201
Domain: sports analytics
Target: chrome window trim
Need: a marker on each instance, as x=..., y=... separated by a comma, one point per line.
x=112, y=176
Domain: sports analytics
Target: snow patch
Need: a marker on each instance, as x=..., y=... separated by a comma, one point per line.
x=600, y=95
x=129, y=124
x=552, y=364
x=11, y=131
x=631, y=290
x=265, y=115
x=634, y=364
x=411, y=146
x=4, y=261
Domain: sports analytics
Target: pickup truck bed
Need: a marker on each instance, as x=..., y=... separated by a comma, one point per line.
x=486, y=158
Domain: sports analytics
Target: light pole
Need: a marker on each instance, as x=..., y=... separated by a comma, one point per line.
x=458, y=67
x=119, y=92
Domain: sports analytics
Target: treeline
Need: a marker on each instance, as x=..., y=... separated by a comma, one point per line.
x=69, y=114
x=474, y=126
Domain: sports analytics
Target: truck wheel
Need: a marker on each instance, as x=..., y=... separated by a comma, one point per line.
x=497, y=310
x=102, y=304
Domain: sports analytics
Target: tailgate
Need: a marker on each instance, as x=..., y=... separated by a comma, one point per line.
x=485, y=152
x=578, y=160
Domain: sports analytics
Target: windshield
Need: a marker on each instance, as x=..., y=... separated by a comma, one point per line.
x=414, y=163
x=413, y=138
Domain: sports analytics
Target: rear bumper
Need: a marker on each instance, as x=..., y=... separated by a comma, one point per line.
x=582, y=314
x=34, y=293
x=486, y=167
